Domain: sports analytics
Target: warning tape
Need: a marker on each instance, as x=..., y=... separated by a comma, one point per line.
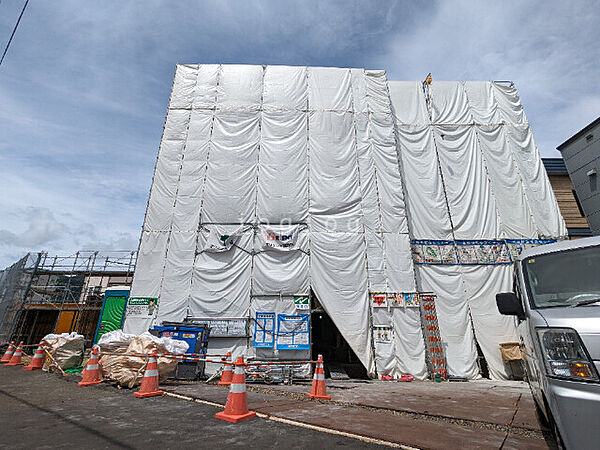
x=24, y=345
x=217, y=361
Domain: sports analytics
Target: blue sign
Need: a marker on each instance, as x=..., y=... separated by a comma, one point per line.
x=264, y=330
x=293, y=332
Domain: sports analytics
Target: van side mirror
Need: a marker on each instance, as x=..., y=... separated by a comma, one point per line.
x=509, y=305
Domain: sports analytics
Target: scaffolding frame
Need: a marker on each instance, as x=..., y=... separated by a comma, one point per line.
x=75, y=283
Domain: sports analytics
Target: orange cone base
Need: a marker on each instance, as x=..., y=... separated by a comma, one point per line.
x=32, y=368
x=15, y=364
x=88, y=383
x=223, y=383
x=235, y=418
x=324, y=397
x=148, y=394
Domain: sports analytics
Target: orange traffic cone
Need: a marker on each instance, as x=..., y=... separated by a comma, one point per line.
x=38, y=359
x=9, y=352
x=227, y=374
x=149, y=387
x=17, y=356
x=91, y=373
x=318, y=384
x=236, y=408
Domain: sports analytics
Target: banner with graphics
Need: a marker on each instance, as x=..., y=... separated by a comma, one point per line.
x=472, y=252
x=141, y=307
x=433, y=252
x=278, y=237
x=219, y=241
x=483, y=252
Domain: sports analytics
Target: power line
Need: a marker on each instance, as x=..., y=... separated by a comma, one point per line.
x=13, y=32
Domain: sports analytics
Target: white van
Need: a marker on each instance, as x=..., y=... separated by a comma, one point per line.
x=556, y=301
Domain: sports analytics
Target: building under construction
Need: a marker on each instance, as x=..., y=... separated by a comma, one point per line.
x=41, y=294
x=331, y=210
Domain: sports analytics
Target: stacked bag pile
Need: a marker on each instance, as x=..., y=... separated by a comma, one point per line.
x=128, y=371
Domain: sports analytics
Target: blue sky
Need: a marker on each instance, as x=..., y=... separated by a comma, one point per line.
x=85, y=85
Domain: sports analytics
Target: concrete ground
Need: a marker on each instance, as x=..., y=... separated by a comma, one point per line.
x=479, y=414
x=42, y=410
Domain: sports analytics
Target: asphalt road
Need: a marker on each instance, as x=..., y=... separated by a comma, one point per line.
x=42, y=410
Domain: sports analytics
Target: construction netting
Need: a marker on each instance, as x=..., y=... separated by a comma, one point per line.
x=272, y=182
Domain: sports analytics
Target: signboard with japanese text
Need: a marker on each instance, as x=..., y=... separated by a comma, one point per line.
x=293, y=332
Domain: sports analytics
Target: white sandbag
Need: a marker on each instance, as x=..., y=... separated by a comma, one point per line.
x=128, y=371
x=66, y=349
x=114, y=340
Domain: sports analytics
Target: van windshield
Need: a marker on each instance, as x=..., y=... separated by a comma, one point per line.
x=567, y=278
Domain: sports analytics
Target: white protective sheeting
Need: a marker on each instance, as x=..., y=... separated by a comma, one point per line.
x=425, y=197
x=182, y=96
x=177, y=276
x=275, y=272
x=339, y=279
x=466, y=182
x=359, y=166
x=329, y=89
x=240, y=87
x=285, y=88
x=453, y=317
x=408, y=103
x=283, y=169
x=513, y=209
x=491, y=329
x=449, y=104
x=538, y=191
x=221, y=281
x=230, y=182
x=147, y=280
x=482, y=159
x=334, y=185
x=389, y=265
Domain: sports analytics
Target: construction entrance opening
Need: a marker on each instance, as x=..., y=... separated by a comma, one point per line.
x=340, y=360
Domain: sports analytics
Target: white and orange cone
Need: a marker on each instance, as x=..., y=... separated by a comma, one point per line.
x=16, y=359
x=227, y=374
x=9, y=352
x=318, y=384
x=37, y=361
x=149, y=387
x=91, y=373
x=236, y=408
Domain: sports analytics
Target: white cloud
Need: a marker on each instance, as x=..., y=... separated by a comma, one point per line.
x=41, y=230
x=549, y=50
x=84, y=89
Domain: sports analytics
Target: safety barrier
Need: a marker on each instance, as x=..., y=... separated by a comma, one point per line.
x=236, y=407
